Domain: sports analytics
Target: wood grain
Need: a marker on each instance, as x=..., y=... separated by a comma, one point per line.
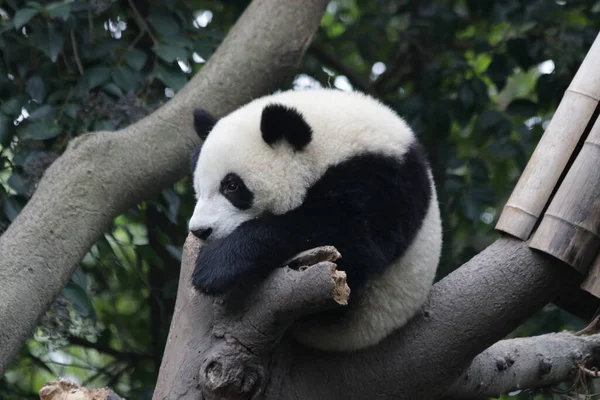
x=570, y=228
x=535, y=186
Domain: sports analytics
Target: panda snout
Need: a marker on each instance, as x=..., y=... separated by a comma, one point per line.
x=202, y=233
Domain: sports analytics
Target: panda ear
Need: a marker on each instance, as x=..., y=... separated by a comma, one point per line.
x=203, y=122
x=282, y=122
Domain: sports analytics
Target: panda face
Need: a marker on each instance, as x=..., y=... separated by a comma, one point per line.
x=223, y=204
x=277, y=147
x=240, y=177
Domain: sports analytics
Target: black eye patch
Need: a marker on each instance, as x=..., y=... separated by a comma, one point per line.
x=235, y=190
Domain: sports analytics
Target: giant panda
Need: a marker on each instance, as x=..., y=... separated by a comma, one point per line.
x=299, y=169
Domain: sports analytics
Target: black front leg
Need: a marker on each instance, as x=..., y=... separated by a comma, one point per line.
x=369, y=208
x=255, y=246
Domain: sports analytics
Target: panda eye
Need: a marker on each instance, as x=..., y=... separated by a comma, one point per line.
x=235, y=190
x=232, y=187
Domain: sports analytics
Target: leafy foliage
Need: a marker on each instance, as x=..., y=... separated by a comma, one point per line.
x=477, y=80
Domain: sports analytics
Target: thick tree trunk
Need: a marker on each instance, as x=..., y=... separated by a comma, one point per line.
x=102, y=174
x=468, y=311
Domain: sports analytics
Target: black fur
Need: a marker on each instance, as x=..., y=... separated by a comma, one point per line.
x=241, y=197
x=204, y=122
x=195, y=155
x=282, y=122
x=369, y=207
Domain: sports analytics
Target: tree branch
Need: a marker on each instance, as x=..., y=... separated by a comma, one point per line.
x=526, y=363
x=64, y=389
x=331, y=61
x=467, y=311
x=236, y=365
x=102, y=174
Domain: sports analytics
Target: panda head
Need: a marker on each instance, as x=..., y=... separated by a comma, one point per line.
x=250, y=163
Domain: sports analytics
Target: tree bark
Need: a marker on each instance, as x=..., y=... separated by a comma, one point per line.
x=102, y=174
x=466, y=312
x=64, y=389
x=526, y=363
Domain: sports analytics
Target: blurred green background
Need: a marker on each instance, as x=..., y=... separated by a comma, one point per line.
x=478, y=80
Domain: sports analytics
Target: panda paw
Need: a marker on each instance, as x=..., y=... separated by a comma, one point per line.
x=210, y=283
x=212, y=274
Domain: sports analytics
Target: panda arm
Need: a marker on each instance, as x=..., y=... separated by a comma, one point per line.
x=369, y=207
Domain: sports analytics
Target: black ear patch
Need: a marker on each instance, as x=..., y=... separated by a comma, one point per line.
x=203, y=122
x=194, y=160
x=282, y=122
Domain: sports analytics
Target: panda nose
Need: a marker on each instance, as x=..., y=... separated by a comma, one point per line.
x=202, y=233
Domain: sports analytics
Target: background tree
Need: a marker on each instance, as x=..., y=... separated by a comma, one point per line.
x=477, y=80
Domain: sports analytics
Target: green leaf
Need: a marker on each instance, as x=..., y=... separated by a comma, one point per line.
x=103, y=125
x=79, y=299
x=23, y=16
x=35, y=88
x=50, y=41
x=205, y=50
x=35, y=4
x=18, y=183
x=471, y=208
x=14, y=105
x=6, y=130
x=124, y=77
x=164, y=22
x=175, y=252
x=105, y=337
x=522, y=107
x=174, y=201
x=42, y=130
x=71, y=110
x=60, y=96
x=40, y=112
x=174, y=79
x=59, y=10
x=113, y=89
x=11, y=207
x=499, y=70
x=79, y=278
x=94, y=77
x=520, y=50
x=136, y=59
x=22, y=157
x=489, y=118
x=466, y=96
x=101, y=51
x=179, y=41
x=170, y=53
x=149, y=254
x=502, y=150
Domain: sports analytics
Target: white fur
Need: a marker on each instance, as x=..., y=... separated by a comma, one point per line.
x=389, y=300
x=344, y=124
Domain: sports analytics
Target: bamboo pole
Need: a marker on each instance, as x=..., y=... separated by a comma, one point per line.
x=592, y=281
x=535, y=186
x=570, y=227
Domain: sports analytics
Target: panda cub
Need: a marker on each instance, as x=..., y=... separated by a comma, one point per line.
x=300, y=169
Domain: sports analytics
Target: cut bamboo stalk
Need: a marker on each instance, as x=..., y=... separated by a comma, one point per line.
x=570, y=227
x=592, y=281
x=535, y=186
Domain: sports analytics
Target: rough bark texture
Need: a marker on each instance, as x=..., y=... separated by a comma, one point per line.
x=526, y=363
x=64, y=389
x=247, y=325
x=468, y=311
x=102, y=174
